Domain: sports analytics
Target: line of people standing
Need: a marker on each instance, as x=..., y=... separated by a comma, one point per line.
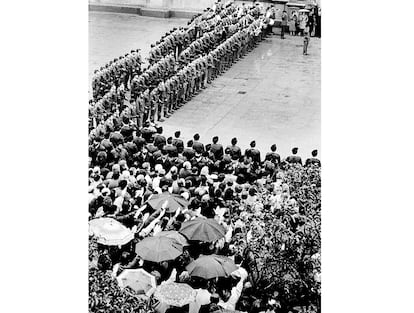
x=301, y=23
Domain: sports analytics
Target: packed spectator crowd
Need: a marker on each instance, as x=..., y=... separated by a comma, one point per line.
x=267, y=206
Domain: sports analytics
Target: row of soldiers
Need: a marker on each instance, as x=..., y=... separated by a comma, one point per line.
x=117, y=72
x=156, y=104
x=178, y=39
x=154, y=88
x=113, y=84
x=210, y=17
x=173, y=42
x=152, y=76
x=202, y=45
x=123, y=69
x=158, y=57
x=157, y=93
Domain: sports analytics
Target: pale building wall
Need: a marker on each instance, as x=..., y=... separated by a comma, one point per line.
x=190, y=5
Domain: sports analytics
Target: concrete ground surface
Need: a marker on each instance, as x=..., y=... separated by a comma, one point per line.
x=272, y=95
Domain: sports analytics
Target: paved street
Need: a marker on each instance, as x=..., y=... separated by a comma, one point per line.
x=272, y=95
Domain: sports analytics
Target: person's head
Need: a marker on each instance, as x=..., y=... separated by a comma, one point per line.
x=187, y=165
x=273, y=148
x=164, y=264
x=253, y=144
x=177, y=134
x=189, y=143
x=196, y=137
x=169, y=140
x=215, y=139
x=234, y=141
x=225, y=294
x=123, y=184
x=295, y=150
x=159, y=130
x=314, y=153
x=125, y=120
x=252, y=192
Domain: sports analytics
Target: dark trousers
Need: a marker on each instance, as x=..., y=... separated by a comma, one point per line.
x=282, y=31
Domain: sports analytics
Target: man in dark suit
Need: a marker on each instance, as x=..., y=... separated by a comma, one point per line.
x=253, y=153
x=210, y=154
x=197, y=145
x=170, y=148
x=147, y=132
x=313, y=159
x=234, y=151
x=188, y=152
x=273, y=156
x=158, y=138
x=139, y=141
x=292, y=159
x=178, y=142
x=217, y=149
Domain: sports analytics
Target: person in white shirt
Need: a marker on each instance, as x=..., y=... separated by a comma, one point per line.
x=231, y=298
x=202, y=298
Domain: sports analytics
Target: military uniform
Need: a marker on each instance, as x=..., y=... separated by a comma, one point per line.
x=177, y=142
x=140, y=104
x=293, y=159
x=254, y=154
x=154, y=101
x=217, y=150
x=273, y=157
x=313, y=161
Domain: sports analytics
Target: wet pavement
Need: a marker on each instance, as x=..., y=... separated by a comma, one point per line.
x=272, y=95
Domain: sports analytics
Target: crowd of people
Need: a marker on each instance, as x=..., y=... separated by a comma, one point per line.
x=268, y=205
x=240, y=190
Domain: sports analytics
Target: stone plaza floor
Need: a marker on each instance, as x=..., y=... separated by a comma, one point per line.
x=272, y=95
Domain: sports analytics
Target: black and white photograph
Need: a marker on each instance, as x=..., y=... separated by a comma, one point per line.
x=164, y=156
x=204, y=156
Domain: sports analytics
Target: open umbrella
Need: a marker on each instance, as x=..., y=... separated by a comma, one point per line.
x=203, y=229
x=137, y=279
x=211, y=266
x=158, y=249
x=171, y=201
x=110, y=232
x=173, y=234
x=176, y=294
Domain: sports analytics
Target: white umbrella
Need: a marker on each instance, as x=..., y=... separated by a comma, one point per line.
x=110, y=232
x=137, y=279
